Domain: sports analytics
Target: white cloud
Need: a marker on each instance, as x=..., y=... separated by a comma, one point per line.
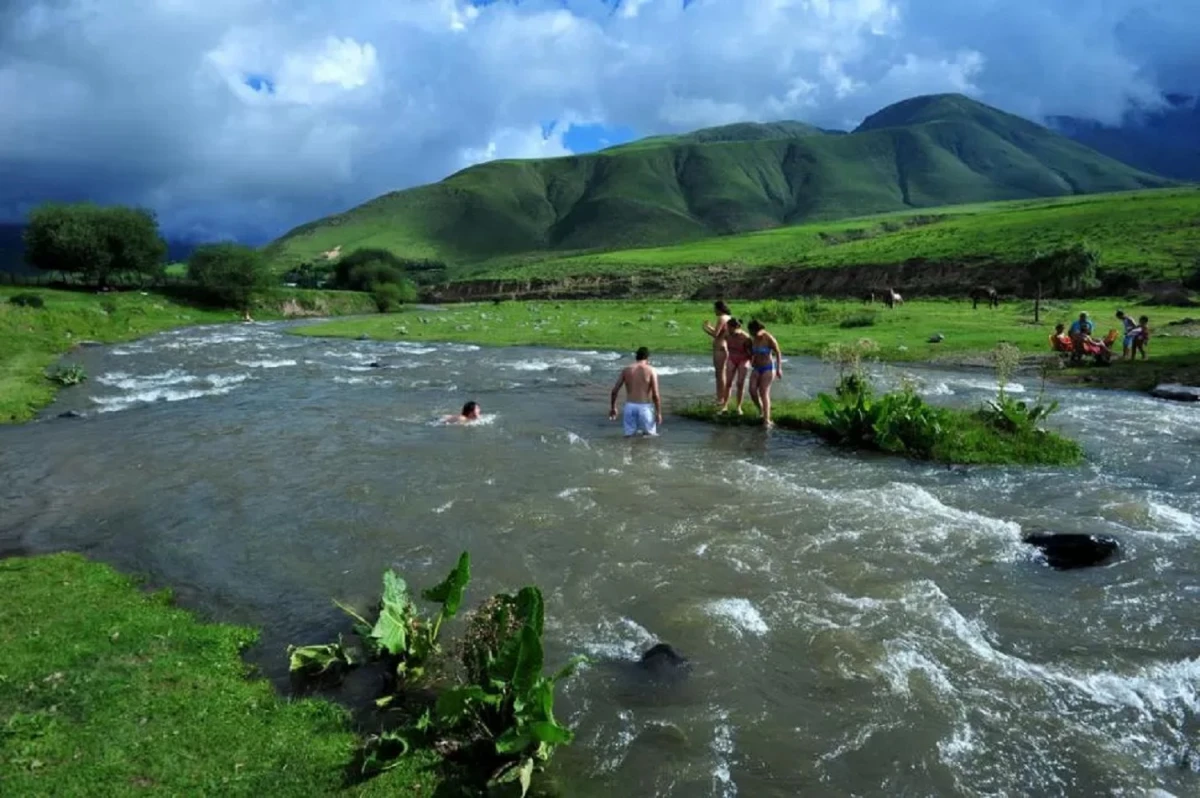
x=147, y=100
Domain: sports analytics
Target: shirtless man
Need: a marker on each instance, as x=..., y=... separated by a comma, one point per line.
x=643, y=405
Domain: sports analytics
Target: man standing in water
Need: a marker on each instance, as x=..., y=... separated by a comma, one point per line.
x=643, y=405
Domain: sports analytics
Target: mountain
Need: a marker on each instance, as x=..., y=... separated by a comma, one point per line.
x=1164, y=141
x=923, y=152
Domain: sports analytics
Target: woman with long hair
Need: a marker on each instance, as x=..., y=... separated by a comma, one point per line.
x=720, y=348
x=738, y=366
x=766, y=366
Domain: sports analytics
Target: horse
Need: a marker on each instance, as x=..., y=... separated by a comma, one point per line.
x=987, y=293
x=892, y=298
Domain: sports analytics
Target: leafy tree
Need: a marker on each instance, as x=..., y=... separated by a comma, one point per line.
x=363, y=268
x=231, y=273
x=1068, y=268
x=93, y=241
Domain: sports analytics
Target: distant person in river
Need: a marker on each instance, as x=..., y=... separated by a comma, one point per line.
x=766, y=363
x=643, y=404
x=740, y=346
x=720, y=348
x=470, y=412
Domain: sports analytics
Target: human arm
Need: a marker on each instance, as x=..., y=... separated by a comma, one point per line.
x=616, y=391
x=657, y=399
x=778, y=355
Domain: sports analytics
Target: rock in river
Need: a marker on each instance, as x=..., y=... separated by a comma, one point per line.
x=1177, y=392
x=1074, y=550
x=662, y=659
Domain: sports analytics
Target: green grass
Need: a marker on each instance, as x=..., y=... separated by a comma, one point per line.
x=105, y=688
x=31, y=339
x=936, y=151
x=968, y=438
x=1150, y=234
x=902, y=334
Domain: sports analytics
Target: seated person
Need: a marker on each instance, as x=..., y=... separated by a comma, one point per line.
x=1059, y=340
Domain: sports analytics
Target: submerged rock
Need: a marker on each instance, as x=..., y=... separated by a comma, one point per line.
x=663, y=658
x=363, y=337
x=71, y=414
x=1064, y=551
x=375, y=364
x=1177, y=392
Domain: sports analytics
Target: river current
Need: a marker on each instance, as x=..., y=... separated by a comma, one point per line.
x=858, y=624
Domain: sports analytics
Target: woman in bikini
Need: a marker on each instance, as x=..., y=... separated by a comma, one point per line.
x=740, y=344
x=720, y=349
x=766, y=363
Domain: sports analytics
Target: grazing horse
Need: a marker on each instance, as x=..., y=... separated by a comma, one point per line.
x=868, y=297
x=987, y=293
x=891, y=298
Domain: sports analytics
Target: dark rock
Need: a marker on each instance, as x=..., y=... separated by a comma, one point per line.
x=375, y=365
x=71, y=414
x=936, y=338
x=90, y=343
x=363, y=337
x=1177, y=392
x=1064, y=551
x=663, y=658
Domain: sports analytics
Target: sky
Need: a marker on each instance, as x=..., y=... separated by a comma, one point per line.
x=243, y=118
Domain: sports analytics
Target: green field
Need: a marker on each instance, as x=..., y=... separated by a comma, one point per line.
x=31, y=339
x=105, y=689
x=922, y=153
x=1148, y=234
x=803, y=327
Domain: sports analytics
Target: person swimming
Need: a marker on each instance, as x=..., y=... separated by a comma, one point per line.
x=470, y=412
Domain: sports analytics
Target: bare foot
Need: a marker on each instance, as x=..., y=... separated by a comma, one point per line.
x=739, y=410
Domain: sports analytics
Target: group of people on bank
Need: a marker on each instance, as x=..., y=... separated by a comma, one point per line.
x=1078, y=341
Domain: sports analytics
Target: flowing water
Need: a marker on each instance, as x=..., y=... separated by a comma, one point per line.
x=858, y=624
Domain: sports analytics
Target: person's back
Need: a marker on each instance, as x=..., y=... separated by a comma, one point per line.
x=643, y=405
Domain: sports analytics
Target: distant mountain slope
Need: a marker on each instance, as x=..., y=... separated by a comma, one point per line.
x=927, y=151
x=1165, y=141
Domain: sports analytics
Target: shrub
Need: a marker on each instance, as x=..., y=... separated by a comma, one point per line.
x=27, y=300
x=864, y=319
x=392, y=296
x=67, y=374
x=231, y=274
x=900, y=421
x=774, y=311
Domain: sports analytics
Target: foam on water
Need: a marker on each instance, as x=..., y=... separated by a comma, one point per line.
x=620, y=638
x=668, y=371
x=265, y=363
x=739, y=614
x=722, y=749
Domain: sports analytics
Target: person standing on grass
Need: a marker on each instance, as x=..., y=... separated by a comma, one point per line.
x=720, y=349
x=1080, y=332
x=766, y=364
x=740, y=346
x=1141, y=334
x=1130, y=333
x=643, y=404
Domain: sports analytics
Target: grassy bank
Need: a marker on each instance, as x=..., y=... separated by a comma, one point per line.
x=803, y=327
x=967, y=438
x=31, y=339
x=1147, y=233
x=103, y=684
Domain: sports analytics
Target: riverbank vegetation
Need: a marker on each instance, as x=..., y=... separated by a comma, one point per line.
x=491, y=704
x=855, y=415
x=104, y=684
x=907, y=333
x=44, y=325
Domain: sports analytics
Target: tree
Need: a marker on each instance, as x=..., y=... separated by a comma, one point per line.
x=232, y=274
x=93, y=241
x=1070, y=268
x=364, y=269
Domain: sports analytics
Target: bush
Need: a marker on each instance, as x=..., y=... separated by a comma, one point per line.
x=898, y=422
x=390, y=297
x=231, y=274
x=864, y=319
x=27, y=301
x=67, y=374
x=774, y=311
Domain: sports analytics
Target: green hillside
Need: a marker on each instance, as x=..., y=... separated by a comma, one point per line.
x=924, y=152
x=1149, y=234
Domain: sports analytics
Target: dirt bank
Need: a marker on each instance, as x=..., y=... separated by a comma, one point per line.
x=912, y=279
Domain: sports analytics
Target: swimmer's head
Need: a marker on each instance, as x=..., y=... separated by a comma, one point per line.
x=642, y=354
x=734, y=324
x=471, y=410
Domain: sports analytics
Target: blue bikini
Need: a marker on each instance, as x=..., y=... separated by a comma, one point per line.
x=763, y=350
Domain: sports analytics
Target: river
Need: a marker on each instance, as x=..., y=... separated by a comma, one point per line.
x=858, y=624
